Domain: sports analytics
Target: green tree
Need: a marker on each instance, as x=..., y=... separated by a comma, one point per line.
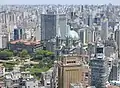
x=45, y=58
x=40, y=54
x=48, y=53
x=24, y=54
x=5, y=54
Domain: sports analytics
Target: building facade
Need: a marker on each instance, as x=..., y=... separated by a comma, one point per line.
x=20, y=45
x=99, y=68
x=72, y=70
x=48, y=30
x=48, y=26
x=62, y=22
x=4, y=41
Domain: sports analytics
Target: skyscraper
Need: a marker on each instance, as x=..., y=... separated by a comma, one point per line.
x=104, y=25
x=117, y=38
x=48, y=30
x=82, y=35
x=48, y=26
x=99, y=68
x=62, y=21
x=16, y=34
x=90, y=20
x=4, y=41
x=21, y=33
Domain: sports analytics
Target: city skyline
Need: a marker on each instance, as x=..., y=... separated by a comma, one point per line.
x=32, y=2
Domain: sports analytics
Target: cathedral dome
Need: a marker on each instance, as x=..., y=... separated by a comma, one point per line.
x=74, y=35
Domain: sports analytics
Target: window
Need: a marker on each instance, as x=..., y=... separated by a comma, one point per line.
x=99, y=50
x=86, y=74
x=68, y=62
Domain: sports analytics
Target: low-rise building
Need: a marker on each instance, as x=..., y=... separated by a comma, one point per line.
x=2, y=84
x=46, y=78
x=19, y=45
x=2, y=70
x=28, y=83
x=17, y=79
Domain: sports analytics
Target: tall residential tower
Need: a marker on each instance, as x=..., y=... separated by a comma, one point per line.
x=99, y=68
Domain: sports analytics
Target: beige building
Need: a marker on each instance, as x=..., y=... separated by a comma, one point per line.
x=72, y=69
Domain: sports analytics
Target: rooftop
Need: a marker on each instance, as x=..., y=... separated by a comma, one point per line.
x=26, y=42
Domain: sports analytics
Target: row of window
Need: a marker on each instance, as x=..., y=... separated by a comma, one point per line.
x=68, y=62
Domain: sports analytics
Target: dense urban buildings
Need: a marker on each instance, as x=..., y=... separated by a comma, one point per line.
x=60, y=46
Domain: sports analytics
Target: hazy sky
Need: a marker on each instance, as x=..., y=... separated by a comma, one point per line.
x=59, y=2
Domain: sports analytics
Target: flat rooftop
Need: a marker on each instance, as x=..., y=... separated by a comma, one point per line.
x=26, y=42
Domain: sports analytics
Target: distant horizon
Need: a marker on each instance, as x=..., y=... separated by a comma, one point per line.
x=61, y=2
x=58, y=4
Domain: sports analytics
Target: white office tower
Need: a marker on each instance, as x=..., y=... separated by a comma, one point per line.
x=0, y=41
x=1, y=28
x=58, y=41
x=90, y=35
x=97, y=32
x=62, y=22
x=58, y=34
x=104, y=32
x=82, y=35
x=38, y=33
x=27, y=34
x=11, y=32
x=3, y=41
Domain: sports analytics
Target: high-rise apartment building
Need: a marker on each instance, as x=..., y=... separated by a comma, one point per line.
x=104, y=25
x=3, y=41
x=82, y=35
x=86, y=35
x=117, y=39
x=99, y=68
x=90, y=35
x=114, y=74
x=90, y=20
x=62, y=22
x=97, y=20
x=71, y=69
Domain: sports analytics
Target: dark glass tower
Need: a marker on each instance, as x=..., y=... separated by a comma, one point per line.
x=48, y=30
x=16, y=34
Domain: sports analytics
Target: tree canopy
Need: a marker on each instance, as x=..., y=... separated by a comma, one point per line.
x=5, y=54
x=44, y=52
x=40, y=54
x=24, y=53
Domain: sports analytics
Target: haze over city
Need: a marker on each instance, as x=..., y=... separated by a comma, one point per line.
x=59, y=43
x=116, y=2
